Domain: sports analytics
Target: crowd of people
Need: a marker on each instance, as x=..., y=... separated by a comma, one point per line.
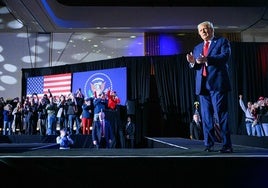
x=72, y=114
x=255, y=119
x=256, y=116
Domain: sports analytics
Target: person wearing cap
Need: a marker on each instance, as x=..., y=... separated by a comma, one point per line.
x=113, y=99
x=87, y=116
x=100, y=104
x=64, y=140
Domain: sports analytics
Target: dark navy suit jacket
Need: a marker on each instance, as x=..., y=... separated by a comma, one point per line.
x=217, y=68
x=96, y=132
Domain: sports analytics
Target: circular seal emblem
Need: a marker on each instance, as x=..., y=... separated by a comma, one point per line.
x=98, y=82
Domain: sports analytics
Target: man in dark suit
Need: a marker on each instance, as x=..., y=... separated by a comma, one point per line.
x=212, y=84
x=102, y=134
x=196, y=128
x=130, y=133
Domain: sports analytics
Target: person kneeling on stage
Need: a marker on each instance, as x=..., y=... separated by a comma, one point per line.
x=64, y=140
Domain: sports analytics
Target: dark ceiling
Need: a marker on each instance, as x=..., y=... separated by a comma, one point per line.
x=162, y=3
x=138, y=16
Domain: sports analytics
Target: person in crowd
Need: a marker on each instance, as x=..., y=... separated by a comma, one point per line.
x=113, y=99
x=100, y=104
x=256, y=125
x=87, y=116
x=2, y=105
x=80, y=99
x=260, y=113
x=112, y=113
x=264, y=116
x=17, y=113
x=62, y=117
x=196, y=128
x=248, y=115
x=64, y=140
x=71, y=111
x=25, y=104
x=102, y=134
x=31, y=115
x=130, y=133
x=51, y=116
x=210, y=61
x=8, y=119
x=13, y=103
x=42, y=114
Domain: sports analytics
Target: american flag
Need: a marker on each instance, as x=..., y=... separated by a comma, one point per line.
x=58, y=84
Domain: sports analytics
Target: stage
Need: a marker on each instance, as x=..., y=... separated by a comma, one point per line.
x=169, y=162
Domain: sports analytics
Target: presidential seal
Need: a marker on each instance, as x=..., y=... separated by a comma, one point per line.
x=98, y=82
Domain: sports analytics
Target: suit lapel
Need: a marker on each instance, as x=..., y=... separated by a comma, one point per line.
x=212, y=45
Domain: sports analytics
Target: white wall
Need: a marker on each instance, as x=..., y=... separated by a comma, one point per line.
x=22, y=50
x=33, y=50
x=251, y=36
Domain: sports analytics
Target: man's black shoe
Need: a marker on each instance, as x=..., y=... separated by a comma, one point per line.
x=226, y=150
x=208, y=149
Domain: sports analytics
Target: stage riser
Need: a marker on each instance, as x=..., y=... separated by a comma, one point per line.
x=85, y=141
x=253, y=141
x=243, y=140
x=80, y=141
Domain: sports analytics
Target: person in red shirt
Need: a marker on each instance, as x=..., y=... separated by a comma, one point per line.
x=113, y=99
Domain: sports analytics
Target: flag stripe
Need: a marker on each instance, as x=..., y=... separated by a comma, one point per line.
x=52, y=84
x=57, y=78
x=58, y=84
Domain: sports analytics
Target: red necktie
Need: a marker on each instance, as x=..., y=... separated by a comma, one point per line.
x=205, y=53
x=205, y=50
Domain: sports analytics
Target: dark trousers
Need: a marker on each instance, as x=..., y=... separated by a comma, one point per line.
x=214, y=107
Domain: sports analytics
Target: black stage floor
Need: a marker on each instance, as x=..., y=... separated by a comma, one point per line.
x=157, y=147
x=23, y=146
x=169, y=162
